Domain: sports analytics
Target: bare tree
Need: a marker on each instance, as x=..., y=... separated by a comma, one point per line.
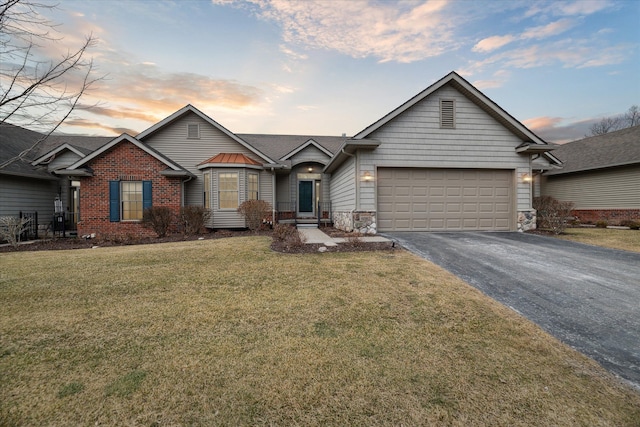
x=632, y=116
x=610, y=124
x=605, y=125
x=36, y=92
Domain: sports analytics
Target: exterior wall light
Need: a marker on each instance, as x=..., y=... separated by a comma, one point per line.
x=366, y=176
x=310, y=169
x=526, y=178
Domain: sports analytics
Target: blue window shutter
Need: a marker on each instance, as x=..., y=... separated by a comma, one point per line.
x=114, y=201
x=146, y=195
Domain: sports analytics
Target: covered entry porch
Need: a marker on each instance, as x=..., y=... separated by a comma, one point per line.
x=303, y=195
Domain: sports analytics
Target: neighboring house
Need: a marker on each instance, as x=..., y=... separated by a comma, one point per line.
x=601, y=176
x=31, y=184
x=448, y=159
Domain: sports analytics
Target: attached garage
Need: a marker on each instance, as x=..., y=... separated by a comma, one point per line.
x=412, y=199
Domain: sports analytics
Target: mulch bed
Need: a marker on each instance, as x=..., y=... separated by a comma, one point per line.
x=69, y=243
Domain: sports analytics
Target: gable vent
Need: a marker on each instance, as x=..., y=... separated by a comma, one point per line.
x=447, y=114
x=193, y=131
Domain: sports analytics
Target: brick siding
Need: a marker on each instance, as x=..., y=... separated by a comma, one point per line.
x=124, y=162
x=612, y=216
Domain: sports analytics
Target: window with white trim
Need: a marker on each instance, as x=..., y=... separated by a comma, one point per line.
x=131, y=199
x=447, y=114
x=128, y=200
x=252, y=186
x=228, y=190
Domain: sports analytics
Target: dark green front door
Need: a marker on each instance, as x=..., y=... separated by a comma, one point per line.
x=305, y=196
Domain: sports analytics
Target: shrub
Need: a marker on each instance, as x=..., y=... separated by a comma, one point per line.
x=602, y=224
x=193, y=219
x=553, y=214
x=354, y=240
x=283, y=232
x=158, y=218
x=254, y=211
x=634, y=225
x=287, y=236
x=11, y=228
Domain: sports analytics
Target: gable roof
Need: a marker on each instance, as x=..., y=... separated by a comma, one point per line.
x=15, y=139
x=473, y=94
x=309, y=143
x=281, y=146
x=55, y=151
x=612, y=149
x=191, y=109
x=174, y=167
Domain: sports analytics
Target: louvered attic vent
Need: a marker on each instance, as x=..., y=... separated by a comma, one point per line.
x=193, y=131
x=447, y=114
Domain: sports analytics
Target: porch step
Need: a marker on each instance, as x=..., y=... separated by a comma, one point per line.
x=307, y=221
x=307, y=225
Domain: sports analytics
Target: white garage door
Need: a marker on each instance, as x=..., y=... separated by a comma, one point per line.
x=444, y=199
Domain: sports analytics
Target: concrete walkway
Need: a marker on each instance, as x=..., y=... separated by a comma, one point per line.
x=315, y=235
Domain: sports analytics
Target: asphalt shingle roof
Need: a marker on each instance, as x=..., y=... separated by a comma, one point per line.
x=15, y=139
x=597, y=152
x=277, y=146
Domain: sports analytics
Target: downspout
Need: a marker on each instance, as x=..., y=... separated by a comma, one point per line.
x=189, y=178
x=273, y=196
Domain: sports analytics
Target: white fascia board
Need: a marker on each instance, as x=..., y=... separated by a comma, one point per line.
x=118, y=140
x=305, y=145
x=402, y=108
x=190, y=108
x=55, y=151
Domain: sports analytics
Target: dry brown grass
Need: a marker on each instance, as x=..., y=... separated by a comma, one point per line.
x=227, y=332
x=628, y=240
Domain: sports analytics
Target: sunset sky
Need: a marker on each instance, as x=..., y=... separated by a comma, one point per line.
x=333, y=67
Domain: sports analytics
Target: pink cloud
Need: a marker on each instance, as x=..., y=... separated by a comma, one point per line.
x=493, y=43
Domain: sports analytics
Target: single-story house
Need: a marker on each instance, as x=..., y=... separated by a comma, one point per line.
x=601, y=176
x=448, y=159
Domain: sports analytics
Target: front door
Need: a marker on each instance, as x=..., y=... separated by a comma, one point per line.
x=305, y=197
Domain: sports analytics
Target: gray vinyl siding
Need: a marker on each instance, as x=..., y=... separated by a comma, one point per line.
x=265, y=185
x=415, y=139
x=229, y=218
x=343, y=186
x=62, y=160
x=616, y=188
x=27, y=195
x=310, y=154
x=172, y=141
x=283, y=189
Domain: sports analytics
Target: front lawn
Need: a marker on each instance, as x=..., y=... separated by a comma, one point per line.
x=228, y=332
x=628, y=240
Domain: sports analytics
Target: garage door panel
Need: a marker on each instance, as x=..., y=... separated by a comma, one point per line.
x=444, y=199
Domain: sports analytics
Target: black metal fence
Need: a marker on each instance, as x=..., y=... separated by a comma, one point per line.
x=31, y=227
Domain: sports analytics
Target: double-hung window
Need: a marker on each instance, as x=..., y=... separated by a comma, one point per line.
x=128, y=200
x=252, y=186
x=228, y=190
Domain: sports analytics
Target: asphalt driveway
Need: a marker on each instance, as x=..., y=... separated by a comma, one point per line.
x=586, y=296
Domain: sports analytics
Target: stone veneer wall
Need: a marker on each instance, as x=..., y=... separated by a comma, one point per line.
x=365, y=221
x=359, y=221
x=527, y=220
